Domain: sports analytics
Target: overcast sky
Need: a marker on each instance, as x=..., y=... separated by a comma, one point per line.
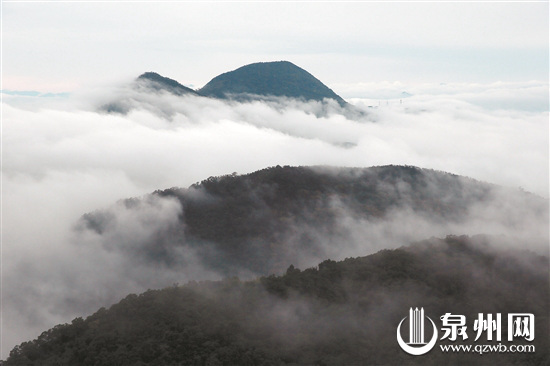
x=61, y=47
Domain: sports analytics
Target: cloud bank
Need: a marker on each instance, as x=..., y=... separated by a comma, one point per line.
x=66, y=157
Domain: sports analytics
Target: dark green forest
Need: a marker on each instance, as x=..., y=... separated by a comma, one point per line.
x=265, y=220
x=279, y=79
x=338, y=313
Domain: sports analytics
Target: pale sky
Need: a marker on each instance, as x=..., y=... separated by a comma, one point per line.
x=61, y=47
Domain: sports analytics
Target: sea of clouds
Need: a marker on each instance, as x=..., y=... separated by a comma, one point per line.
x=63, y=156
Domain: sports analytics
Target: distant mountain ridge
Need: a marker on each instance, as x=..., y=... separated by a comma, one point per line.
x=252, y=82
x=279, y=79
x=160, y=82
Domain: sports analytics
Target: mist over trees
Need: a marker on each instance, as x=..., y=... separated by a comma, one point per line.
x=342, y=308
x=337, y=313
x=258, y=223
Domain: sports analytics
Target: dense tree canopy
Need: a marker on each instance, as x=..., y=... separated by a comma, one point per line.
x=338, y=313
x=262, y=221
x=280, y=79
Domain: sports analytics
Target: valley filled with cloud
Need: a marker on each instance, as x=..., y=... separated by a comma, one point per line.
x=66, y=156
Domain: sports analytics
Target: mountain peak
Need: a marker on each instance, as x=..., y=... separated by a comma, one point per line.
x=277, y=78
x=159, y=82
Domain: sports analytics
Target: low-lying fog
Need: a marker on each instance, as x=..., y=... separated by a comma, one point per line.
x=63, y=157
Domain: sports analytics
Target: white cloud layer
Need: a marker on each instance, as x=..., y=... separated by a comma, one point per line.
x=60, y=161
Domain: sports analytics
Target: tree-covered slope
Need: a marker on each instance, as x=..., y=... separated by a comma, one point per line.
x=261, y=221
x=338, y=313
x=280, y=79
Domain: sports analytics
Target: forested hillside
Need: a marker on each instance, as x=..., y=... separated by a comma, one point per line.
x=276, y=79
x=338, y=313
x=260, y=222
